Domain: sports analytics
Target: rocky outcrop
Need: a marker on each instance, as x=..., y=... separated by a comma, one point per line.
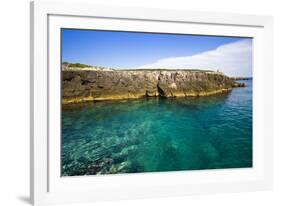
x=241, y=78
x=82, y=86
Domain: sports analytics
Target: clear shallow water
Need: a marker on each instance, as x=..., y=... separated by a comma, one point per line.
x=155, y=134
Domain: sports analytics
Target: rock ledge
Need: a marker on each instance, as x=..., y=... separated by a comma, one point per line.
x=88, y=85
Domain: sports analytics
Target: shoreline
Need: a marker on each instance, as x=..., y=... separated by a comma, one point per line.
x=140, y=96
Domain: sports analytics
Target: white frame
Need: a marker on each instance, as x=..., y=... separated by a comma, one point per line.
x=46, y=184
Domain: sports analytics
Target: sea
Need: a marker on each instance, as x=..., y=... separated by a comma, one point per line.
x=158, y=134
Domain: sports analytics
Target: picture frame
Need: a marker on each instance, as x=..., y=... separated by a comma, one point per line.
x=46, y=184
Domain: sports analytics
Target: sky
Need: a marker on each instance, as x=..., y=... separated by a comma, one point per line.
x=231, y=55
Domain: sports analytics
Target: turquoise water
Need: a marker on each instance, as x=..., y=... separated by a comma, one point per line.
x=155, y=134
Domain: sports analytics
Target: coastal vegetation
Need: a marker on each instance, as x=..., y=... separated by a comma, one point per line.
x=76, y=65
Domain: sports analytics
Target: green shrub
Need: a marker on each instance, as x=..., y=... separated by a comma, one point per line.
x=77, y=65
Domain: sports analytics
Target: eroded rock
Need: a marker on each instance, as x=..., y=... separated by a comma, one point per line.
x=84, y=85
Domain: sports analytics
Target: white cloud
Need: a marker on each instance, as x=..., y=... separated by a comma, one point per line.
x=234, y=59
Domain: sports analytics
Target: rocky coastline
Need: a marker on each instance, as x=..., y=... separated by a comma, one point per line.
x=81, y=85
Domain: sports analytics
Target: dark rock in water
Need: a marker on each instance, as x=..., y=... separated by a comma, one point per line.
x=241, y=78
x=99, y=167
x=238, y=84
x=84, y=85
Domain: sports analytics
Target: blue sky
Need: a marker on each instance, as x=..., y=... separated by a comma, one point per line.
x=143, y=50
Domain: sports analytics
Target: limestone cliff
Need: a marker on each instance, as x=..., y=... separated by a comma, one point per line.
x=83, y=85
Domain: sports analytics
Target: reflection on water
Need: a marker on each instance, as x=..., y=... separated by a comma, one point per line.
x=155, y=134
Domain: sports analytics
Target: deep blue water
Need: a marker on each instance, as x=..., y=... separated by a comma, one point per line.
x=156, y=134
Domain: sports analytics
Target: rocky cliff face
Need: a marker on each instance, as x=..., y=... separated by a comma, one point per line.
x=82, y=86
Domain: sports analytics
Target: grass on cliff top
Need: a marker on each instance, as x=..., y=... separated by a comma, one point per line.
x=161, y=69
x=76, y=65
x=79, y=65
